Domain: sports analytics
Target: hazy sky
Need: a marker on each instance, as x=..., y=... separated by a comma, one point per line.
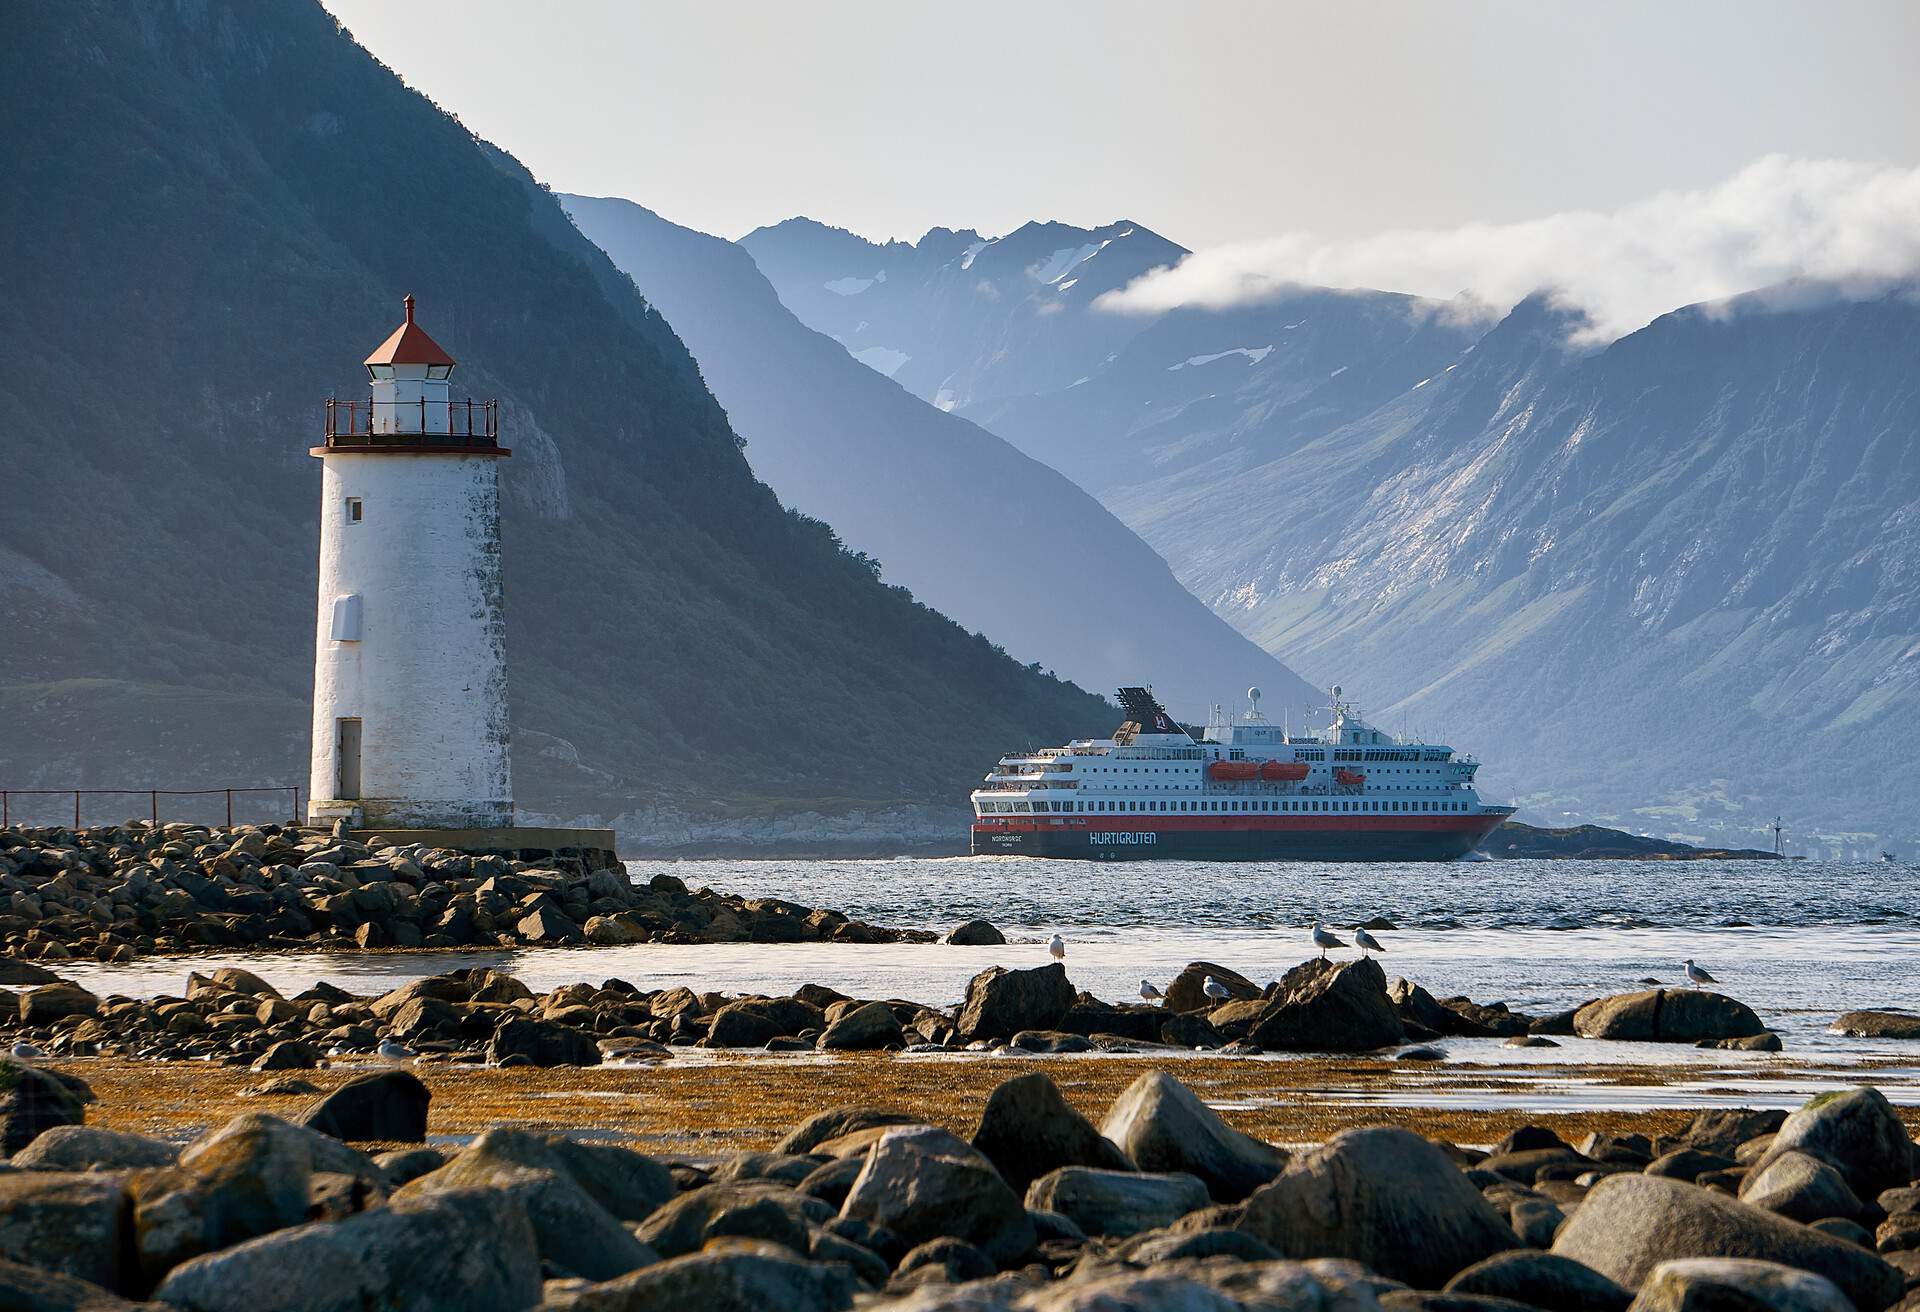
x=1210, y=123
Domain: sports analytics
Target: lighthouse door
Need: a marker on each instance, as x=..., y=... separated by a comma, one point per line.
x=349, y=756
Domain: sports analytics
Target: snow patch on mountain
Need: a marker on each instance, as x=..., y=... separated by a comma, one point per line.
x=848, y=286
x=1254, y=354
x=883, y=359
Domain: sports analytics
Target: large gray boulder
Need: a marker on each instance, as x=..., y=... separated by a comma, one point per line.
x=835, y=1122
x=541, y=1042
x=727, y=1281
x=52, y=1002
x=385, y=1106
x=1734, y=1284
x=1877, y=1025
x=469, y=1248
x=976, y=934
x=629, y=1185
x=1666, y=1016
x=1629, y=1224
x=1187, y=992
x=73, y=1223
x=872, y=1025
x=1800, y=1187
x=1000, y=1003
x=923, y=1183
x=248, y=1178
x=1855, y=1131
x=1330, y=1006
x=748, y=1210
x=1384, y=1197
x=1161, y=1126
x=573, y=1231
x=1117, y=1204
x=1027, y=1129
x=33, y=1101
x=26, y=1288
x=1542, y=1280
x=91, y=1148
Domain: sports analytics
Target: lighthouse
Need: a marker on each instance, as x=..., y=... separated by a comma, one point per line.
x=410, y=652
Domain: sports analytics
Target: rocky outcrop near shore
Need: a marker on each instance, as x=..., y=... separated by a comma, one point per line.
x=871, y=1208
x=119, y=892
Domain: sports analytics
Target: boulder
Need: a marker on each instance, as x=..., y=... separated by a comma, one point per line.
x=1723, y=1131
x=836, y=1122
x=404, y=1164
x=1187, y=992
x=1734, y=1284
x=546, y=924
x=863, y=1028
x=90, y=1148
x=1000, y=1003
x=1899, y=1233
x=1666, y=1016
x=541, y=1043
x=468, y=1248
x=29, y=1289
x=923, y=1183
x=750, y=1022
x=628, y=1184
x=1180, y=1243
x=1330, y=1006
x=1027, y=1129
x=247, y=1179
x=727, y=1281
x=51, y=1002
x=1384, y=1197
x=1543, y=1280
x=73, y=1223
x=14, y=971
x=1857, y=1132
x=1801, y=1187
x=289, y=1055
x=1629, y=1224
x=1117, y=1204
x=571, y=1229
x=1688, y=1164
x=1874, y=1025
x=976, y=934
x=33, y=1101
x=390, y=1106
x=1161, y=1126
x=748, y=1210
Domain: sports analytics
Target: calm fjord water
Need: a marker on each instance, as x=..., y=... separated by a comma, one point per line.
x=1799, y=941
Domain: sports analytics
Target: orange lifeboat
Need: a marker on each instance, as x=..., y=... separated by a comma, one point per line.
x=1291, y=772
x=1351, y=778
x=1232, y=771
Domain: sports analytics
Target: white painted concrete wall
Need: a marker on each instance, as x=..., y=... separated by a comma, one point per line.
x=428, y=678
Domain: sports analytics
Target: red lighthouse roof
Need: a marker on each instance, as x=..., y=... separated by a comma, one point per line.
x=409, y=344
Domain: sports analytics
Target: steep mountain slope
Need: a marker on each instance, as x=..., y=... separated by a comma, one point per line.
x=212, y=210
x=1238, y=386
x=986, y=535
x=1676, y=580
x=956, y=318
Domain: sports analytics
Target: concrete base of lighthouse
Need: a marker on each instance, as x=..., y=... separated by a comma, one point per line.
x=592, y=847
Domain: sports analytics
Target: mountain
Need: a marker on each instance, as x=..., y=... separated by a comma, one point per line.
x=990, y=537
x=956, y=318
x=213, y=208
x=1672, y=583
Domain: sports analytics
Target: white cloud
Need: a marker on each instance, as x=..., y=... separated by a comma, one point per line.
x=1777, y=221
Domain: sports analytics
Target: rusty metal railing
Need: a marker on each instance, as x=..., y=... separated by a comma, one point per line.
x=153, y=796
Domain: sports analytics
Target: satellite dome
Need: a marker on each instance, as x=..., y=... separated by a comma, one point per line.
x=1253, y=694
x=1336, y=690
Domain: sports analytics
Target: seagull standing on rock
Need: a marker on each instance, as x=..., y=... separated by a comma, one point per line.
x=1697, y=975
x=1214, y=989
x=1149, y=994
x=396, y=1052
x=1324, y=938
x=1368, y=943
x=1057, y=948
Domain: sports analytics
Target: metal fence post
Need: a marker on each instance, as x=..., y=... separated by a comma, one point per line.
x=76, y=808
x=153, y=806
x=229, y=808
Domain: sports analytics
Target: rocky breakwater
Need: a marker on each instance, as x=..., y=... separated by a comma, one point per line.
x=483, y=1016
x=114, y=893
x=1161, y=1205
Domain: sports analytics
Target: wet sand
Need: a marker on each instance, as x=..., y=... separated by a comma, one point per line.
x=711, y=1104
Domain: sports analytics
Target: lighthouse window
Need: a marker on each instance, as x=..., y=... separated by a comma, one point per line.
x=353, y=510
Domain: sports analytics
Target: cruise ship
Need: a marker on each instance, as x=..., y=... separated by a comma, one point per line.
x=1243, y=790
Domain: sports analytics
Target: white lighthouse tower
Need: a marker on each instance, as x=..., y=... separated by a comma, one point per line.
x=410, y=657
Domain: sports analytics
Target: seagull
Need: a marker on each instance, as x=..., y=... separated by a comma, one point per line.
x=1149, y=994
x=1214, y=989
x=24, y=1051
x=1324, y=939
x=1057, y=948
x=1697, y=975
x=1367, y=942
x=391, y=1051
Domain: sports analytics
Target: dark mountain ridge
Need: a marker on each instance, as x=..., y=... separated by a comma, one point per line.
x=214, y=210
